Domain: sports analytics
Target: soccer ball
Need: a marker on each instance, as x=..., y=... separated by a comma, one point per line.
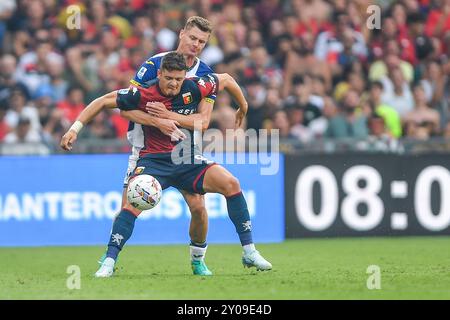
x=144, y=192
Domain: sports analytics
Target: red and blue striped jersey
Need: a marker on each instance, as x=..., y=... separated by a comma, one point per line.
x=186, y=102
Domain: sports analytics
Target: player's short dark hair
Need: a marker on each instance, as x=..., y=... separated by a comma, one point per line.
x=199, y=22
x=173, y=61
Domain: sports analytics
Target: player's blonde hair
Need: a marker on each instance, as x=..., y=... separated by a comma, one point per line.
x=199, y=22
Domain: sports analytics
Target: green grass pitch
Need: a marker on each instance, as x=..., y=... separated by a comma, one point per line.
x=410, y=268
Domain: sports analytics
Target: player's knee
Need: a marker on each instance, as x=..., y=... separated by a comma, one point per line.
x=197, y=209
x=232, y=186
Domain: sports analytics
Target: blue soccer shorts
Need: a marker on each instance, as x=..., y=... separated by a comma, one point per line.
x=188, y=175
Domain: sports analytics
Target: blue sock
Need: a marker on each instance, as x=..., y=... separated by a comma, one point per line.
x=238, y=213
x=121, y=231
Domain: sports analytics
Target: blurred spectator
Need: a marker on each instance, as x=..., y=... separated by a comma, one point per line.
x=330, y=43
x=423, y=45
x=57, y=84
x=433, y=82
x=350, y=122
x=390, y=116
x=32, y=67
x=19, y=107
x=302, y=98
x=396, y=92
x=262, y=66
x=74, y=104
x=302, y=60
x=256, y=96
x=391, y=59
x=379, y=138
x=7, y=8
x=280, y=121
x=297, y=128
x=23, y=140
x=23, y=132
x=422, y=122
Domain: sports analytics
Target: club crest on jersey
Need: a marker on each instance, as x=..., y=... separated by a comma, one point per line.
x=187, y=97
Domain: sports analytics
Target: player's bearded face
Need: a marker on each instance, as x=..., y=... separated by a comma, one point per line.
x=192, y=41
x=170, y=81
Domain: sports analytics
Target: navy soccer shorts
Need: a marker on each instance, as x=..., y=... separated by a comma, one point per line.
x=187, y=175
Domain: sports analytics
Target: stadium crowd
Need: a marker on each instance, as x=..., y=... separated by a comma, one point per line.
x=311, y=68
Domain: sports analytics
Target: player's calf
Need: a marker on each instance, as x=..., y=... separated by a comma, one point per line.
x=121, y=231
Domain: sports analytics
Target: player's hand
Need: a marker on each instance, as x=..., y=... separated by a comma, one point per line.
x=240, y=115
x=68, y=139
x=157, y=109
x=169, y=128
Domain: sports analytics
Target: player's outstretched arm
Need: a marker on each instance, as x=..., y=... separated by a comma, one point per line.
x=228, y=83
x=88, y=113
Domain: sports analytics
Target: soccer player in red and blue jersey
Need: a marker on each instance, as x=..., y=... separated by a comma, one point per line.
x=192, y=39
x=191, y=171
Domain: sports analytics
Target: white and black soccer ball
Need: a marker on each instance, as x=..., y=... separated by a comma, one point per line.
x=144, y=192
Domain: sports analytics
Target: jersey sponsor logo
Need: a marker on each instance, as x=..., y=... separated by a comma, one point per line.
x=187, y=97
x=186, y=111
x=202, y=83
x=211, y=79
x=141, y=72
x=149, y=62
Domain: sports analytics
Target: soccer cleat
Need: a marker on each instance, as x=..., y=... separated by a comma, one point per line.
x=199, y=268
x=255, y=259
x=106, y=269
x=103, y=257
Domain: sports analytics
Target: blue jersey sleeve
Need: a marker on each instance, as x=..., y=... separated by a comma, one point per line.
x=147, y=71
x=128, y=99
x=203, y=70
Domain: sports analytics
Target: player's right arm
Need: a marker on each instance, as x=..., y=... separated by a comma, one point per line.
x=125, y=99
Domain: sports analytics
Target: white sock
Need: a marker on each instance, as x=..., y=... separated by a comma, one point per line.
x=249, y=248
x=197, y=253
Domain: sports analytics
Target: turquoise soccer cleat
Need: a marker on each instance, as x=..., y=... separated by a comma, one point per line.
x=199, y=268
x=106, y=270
x=103, y=257
x=255, y=259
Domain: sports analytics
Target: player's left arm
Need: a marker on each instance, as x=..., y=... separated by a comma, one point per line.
x=228, y=83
